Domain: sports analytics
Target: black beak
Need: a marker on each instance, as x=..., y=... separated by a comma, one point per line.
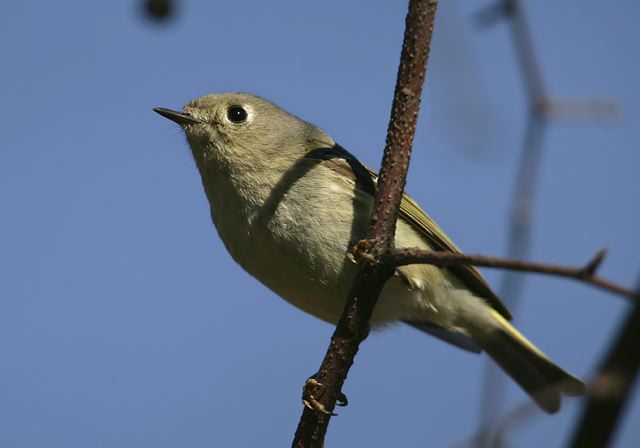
x=179, y=117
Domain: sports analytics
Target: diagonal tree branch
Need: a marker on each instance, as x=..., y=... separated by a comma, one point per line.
x=586, y=273
x=612, y=385
x=353, y=326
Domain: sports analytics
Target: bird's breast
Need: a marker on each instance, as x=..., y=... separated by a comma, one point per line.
x=293, y=235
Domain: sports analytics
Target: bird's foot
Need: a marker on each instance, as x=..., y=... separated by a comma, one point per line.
x=311, y=393
x=362, y=251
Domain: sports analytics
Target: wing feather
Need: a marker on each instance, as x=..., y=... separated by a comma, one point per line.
x=411, y=213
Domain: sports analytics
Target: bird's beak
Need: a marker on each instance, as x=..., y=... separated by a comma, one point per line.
x=181, y=118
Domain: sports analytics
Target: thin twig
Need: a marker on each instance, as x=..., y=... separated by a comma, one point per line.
x=353, y=325
x=586, y=273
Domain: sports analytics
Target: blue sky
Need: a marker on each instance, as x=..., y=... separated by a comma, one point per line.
x=123, y=322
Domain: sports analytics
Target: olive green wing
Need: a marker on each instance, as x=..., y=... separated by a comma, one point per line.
x=345, y=163
x=471, y=277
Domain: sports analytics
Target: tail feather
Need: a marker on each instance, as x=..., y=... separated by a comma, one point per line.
x=543, y=380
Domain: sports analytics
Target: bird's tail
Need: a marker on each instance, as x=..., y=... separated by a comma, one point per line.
x=543, y=380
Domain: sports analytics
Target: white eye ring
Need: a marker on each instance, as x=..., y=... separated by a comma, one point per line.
x=239, y=114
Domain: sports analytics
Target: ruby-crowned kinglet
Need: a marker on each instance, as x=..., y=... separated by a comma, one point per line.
x=289, y=203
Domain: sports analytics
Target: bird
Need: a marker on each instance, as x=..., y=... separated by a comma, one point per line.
x=289, y=203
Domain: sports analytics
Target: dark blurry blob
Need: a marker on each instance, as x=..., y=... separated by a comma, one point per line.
x=159, y=10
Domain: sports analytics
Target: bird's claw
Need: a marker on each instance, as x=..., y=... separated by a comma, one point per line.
x=362, y=251
x=342, y=400
x=309, y=397
x=313, y=390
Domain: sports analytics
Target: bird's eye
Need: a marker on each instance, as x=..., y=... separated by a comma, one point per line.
x=237, y=114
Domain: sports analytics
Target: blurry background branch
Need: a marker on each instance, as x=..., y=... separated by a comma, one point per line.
x=542, y=108
x=353, y=325
x=612, y=385
x=508, y=423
